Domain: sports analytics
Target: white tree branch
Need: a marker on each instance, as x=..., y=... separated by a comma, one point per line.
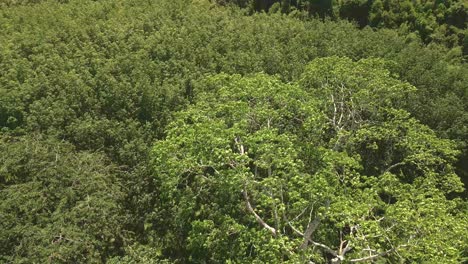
x=247, y=199
x=326, y=248
x=375, y=256
x=295, y=229
x=394, y=166
x=257, y=217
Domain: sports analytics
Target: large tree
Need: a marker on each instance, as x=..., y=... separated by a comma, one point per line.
x=330, y=169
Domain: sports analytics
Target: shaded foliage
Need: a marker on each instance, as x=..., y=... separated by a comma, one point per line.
x=435, y=21
x=57, y=205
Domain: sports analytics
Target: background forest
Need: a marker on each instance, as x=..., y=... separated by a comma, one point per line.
x=178, y=131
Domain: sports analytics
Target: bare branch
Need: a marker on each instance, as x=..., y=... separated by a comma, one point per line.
x=241, y=146
x=295, y=229
x=342, y=243
x=300, y=214
x=335, y=111
x=394, y=166
x=326, y=248
x=372, y=257
x=322, y=246
x=347, y=248
x=345, y=245
x=247, y=199
x=311, y=227
x=257, y=217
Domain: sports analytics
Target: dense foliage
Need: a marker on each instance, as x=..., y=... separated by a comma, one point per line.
x=187, y=131
x=435, y=21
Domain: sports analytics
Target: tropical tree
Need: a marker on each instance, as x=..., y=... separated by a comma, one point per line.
x=260, y=170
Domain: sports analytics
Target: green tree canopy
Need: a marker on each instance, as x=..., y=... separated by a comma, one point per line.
x=87, y=87
x=58, y=205
x=252, y=173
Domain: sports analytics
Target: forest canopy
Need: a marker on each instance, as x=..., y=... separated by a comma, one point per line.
x=180, y=131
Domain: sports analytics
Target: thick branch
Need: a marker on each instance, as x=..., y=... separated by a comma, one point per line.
x=347, y=248
x=257, y=217
x=311, y=227
x=246, y=197
x=324, y=247
x=347, y=243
